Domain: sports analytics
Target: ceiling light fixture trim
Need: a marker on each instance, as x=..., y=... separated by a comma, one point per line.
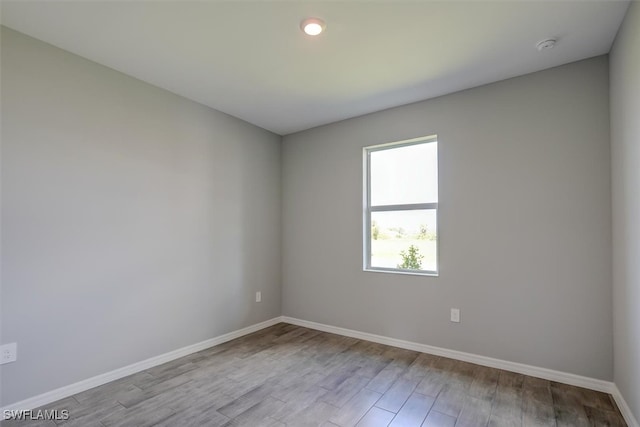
x=313, y=26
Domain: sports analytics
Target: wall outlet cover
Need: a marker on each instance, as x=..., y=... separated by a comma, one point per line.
x=8, y=353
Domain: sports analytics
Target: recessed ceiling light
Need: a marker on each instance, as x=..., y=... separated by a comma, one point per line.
x=546, y=44
x=312, y=26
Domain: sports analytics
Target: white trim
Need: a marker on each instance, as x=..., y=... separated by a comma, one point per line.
x=624, y=407
x=71, y=389
x=368, y=209
x=534, y=371
x=405, y=207
x=427, y=273
x=403, y=143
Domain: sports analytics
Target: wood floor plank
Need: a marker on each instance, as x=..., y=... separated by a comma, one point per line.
x=208, y=417
x=536, y=413
x=511, y=379
x=165, y=388
x=401, y=357
x=567, y=393
x=451, y=399
x=565, y=417
x=302, y=400
x=385, y=378
x=432, y=383
x=83, y=422
x=83, y=415
x=246, y=401
x=475, y=412
x=376, y=417
x=484, y=383
x=290, y=390
x=345, y=391
x=421, y=366
x=372, y=364
x=398, y=394
x=198, y=397
x=107, y=393
x=69, y=403
x=463, y=373
x=414, y=411
x=537, y=389
x=225, y=390
x=355, y=408
x=24, y=423
x=438, y=419
x=568, y=404
x=313, y=415
x=604, y=417
x=138, y=416
x=576, y=405
x=168, y=370
x=334, y=379
x=507, y=404
x=259, y=414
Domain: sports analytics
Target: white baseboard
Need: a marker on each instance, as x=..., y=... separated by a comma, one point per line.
x=534, y=371
x=624, y=408
x=70, y=390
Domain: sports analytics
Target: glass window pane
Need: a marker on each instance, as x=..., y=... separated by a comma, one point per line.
x=404, y=239
x=404, y=175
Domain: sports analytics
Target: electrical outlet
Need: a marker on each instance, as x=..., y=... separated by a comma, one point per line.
x=8, y=353
x=455, y=315
x=258, y=296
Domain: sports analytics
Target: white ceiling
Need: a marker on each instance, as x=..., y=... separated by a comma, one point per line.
x=250, y=59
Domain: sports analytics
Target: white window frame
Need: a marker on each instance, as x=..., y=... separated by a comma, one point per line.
x=368, y=209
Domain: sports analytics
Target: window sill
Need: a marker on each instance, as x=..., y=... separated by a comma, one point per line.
x=404, y=272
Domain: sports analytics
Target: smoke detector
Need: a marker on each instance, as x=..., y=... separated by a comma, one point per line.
x=546, y=44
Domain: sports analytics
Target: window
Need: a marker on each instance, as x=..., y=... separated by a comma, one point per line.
x=401, y=207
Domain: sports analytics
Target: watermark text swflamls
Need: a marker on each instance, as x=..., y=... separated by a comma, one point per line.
x=36, y=415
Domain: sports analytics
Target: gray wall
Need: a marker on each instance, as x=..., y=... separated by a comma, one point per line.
x=625, y=157
x=525, y=214
x=134, y=221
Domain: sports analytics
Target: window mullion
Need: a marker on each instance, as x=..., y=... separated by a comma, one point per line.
x=403, y=207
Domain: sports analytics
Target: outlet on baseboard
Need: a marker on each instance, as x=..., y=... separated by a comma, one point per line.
x=8, y=353
x=258, y=296
x=455, y=315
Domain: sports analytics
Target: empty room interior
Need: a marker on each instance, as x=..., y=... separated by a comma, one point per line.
x=320, y=213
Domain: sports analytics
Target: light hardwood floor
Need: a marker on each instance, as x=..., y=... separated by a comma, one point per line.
x=293, y=376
